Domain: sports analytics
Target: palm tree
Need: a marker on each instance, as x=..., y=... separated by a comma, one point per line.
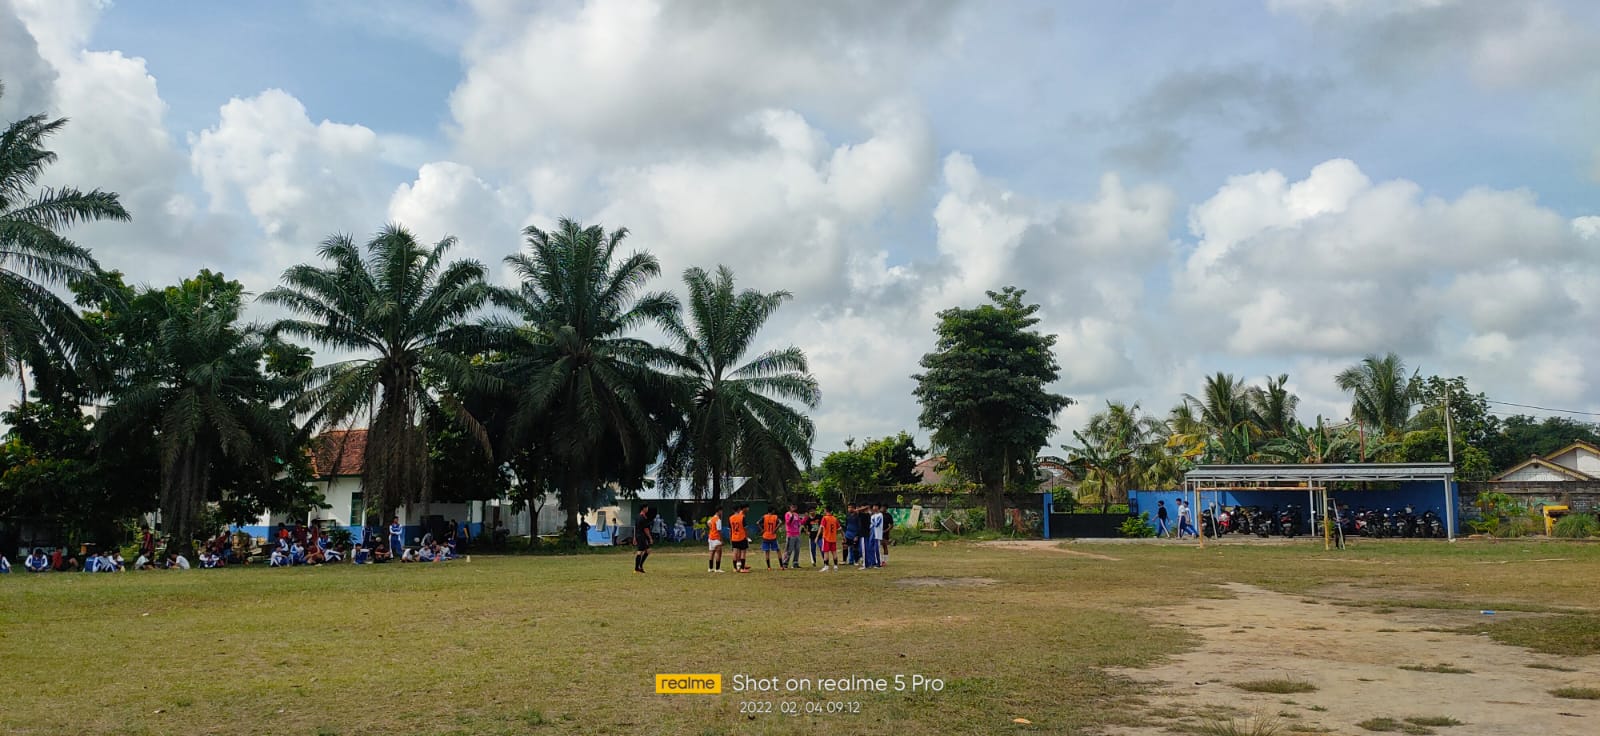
x=1224, y=410
x=737, y=420
x=593, y=402
x=203, y=386
x=1383, y=395
x=400, y=310
x=1272, y=407
x=35, y=324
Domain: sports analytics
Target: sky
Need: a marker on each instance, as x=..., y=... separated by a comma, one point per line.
x=1267, y=187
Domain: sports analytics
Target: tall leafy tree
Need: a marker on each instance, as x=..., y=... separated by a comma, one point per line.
x=1116, y=450
x=400, y=309
x=35, y=324
x=1382, y=394
x=740, y=417
x=201, y=383
x=592, y=403
x=984, y=393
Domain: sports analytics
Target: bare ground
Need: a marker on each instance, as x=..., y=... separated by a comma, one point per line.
x=1354, y=656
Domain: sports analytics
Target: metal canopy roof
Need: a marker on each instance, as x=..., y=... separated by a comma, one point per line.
x=1321, y=472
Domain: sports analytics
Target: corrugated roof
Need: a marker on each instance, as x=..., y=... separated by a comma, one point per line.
x=339, y=452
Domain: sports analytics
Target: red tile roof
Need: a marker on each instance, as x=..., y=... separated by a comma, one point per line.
x=339, y=452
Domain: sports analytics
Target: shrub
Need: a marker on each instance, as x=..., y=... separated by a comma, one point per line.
x=1137, y=527
x=976, y=520
x=1577, y=526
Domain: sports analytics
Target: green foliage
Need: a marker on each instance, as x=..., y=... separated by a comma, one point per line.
x=1137, y=527
x=896, y=459
x=984, y=392
x=880, y=463
x=588, y=403
x=1117, y=450
x=192, y=374
x=905, y=535
x=739, y=421
x=1577, y=526
x=846, y=474
x=402, y=310
x=1382, y=394
x=36, y=326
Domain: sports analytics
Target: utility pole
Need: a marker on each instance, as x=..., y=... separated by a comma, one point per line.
x=1449, y=429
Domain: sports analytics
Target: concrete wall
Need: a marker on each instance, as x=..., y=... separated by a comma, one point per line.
x=1579, y=495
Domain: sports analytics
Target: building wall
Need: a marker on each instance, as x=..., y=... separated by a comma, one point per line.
x=1580, y=495
x=1580, y=460
x=1536, y=473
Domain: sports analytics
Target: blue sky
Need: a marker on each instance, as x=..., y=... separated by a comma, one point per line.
x=1255, y=187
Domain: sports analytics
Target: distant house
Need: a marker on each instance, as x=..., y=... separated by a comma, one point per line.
x=338, y=459
x=1579, y=461
x=1052, y=473
x=931, y=470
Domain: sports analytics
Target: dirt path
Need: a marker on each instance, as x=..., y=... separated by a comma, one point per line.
x=1354, y=657
x=1043, y=545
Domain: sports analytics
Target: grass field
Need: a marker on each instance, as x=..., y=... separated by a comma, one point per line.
x=517, y=645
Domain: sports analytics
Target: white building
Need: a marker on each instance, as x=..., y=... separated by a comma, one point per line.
x=337, y=460
x=1579, y=461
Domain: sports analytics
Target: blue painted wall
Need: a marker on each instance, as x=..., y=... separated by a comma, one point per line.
x=1421, y=496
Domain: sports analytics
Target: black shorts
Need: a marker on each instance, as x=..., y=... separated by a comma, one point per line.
x=742, y=544
x=641, y=544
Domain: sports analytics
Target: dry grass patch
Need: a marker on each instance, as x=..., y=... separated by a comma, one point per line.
x=1277, y=686
x=1438, y=721
x=1443, y=669
x=1577, y=693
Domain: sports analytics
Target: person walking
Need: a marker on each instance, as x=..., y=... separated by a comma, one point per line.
x=643, y=537
x=1161, y=520
x=1185, y=524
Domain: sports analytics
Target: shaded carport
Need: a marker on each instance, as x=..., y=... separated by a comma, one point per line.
x=1313, y=480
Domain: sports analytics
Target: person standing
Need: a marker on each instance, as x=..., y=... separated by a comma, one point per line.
x=829, y=528
x=397, y=536
x=852, y=534
x=739, y=538
x=888, y=529
x=714, y=538
x=863, y=523
x=874, y=537
x=794, y=527
x=1161, y=519
x=147, y=541
x=769, y=537
x=813, y=520
x=643, y=536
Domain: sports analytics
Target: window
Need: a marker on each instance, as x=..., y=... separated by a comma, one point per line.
x=358, y=509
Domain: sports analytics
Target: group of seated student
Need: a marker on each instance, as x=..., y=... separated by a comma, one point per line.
x=111, y=561
x=303, y=546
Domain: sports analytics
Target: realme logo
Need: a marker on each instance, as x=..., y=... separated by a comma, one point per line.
x=689, y=684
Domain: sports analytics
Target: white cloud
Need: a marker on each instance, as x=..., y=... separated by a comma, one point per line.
x=1337, y=264
x=628, y=75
